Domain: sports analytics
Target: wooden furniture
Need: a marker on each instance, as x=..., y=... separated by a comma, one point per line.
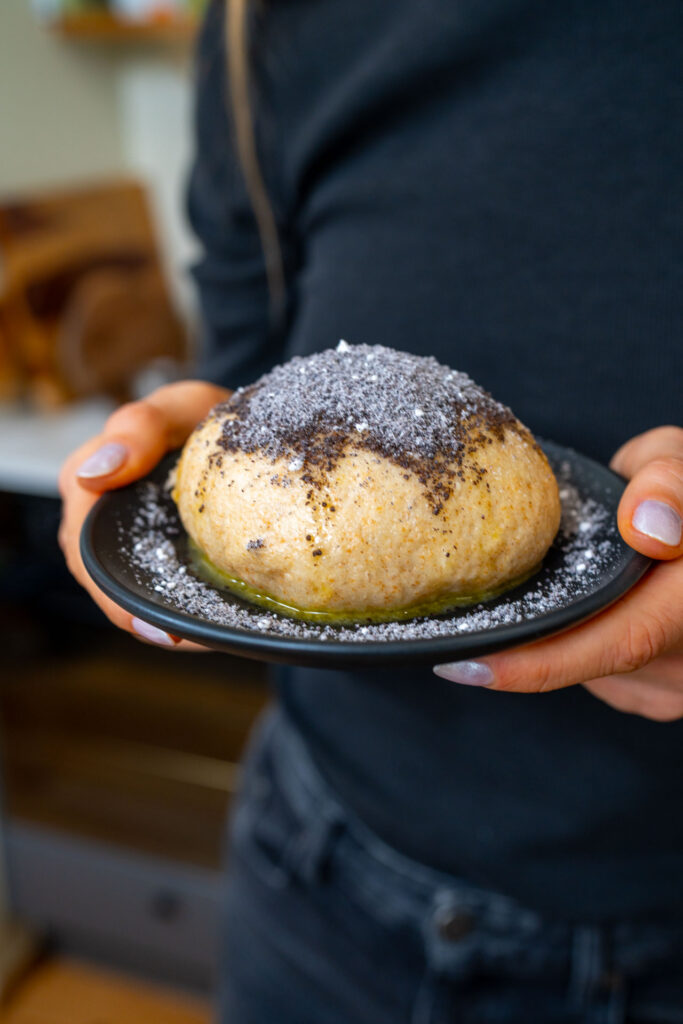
x=124, y=744
x=18, y=945
x=104, y=27
x=84, y=304
x=120, y=761
x=19, y=948
x=68, y=992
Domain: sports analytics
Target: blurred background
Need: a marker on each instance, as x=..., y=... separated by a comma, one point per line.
x=117, y=761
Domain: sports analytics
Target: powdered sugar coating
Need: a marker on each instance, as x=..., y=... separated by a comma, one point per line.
x=586, y=547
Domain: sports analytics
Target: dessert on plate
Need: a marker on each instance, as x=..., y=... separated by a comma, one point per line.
x=366, y=483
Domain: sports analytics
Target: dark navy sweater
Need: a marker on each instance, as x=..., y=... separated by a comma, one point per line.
x=497, y=183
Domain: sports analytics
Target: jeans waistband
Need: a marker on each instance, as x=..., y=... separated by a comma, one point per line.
x=465, y=928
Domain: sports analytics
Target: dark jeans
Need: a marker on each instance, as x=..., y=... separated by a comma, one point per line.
x=326, y=924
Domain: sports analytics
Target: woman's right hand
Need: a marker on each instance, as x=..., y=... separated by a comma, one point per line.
x=133, y=441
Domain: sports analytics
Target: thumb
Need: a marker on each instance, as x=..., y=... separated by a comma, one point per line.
x=138, y=434
x=650, y=512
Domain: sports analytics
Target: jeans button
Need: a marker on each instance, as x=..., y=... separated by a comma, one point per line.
x=454, y=925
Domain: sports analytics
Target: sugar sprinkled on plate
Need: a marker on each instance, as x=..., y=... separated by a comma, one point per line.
x=586, y=546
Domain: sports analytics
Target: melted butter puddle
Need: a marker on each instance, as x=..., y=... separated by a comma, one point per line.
x=207, y=571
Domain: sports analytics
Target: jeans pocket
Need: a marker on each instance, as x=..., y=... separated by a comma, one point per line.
x=262, y=825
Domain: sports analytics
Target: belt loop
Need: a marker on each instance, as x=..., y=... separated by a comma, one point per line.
x=428, y=1007
x=596, y=988
x=587, y=964
x=307, y=854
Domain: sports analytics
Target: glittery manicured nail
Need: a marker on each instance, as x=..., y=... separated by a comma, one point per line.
x=470, y=673
x=104, y=461
x=151, y=633
x=658, y=520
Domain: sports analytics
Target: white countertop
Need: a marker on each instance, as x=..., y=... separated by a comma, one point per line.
x=33, y=445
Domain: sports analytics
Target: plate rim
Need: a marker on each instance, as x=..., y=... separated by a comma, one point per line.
x=312, y=651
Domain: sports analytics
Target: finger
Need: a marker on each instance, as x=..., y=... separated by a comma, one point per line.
x=645, y=623
x=664, y=673
x=635, y=696
x=643, y=448
x=191, y=647
x=75, y=510
x=77, y=504
x=138, y=434
x=118, y=616
x=134, y=439
x=150, y=634
x=651, y=508
x=650, y=514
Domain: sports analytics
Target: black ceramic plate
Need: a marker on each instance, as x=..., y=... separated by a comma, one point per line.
x=516, y=617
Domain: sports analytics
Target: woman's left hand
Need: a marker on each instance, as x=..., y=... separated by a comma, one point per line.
x=631, y=655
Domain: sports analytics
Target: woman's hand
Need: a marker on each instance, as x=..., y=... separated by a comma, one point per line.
x=631, y=655
x=134, y=439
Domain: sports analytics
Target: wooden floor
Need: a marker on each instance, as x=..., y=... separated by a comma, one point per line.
x=67, y=992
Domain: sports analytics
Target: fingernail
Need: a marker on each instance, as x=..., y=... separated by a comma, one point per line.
x=471, y=673
x=149, y=632
x=658, y=520
x=104, y=461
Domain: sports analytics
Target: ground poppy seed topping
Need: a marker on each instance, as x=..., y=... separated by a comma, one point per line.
x=423, y=416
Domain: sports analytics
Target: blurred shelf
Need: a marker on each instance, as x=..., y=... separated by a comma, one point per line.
x=117, y=906
x=120, y=744
x=104, y=27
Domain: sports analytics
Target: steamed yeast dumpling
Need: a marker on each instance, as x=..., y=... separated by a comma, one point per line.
x=365, y=480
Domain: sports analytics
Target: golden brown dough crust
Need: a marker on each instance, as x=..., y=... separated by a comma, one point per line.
x=425, y=490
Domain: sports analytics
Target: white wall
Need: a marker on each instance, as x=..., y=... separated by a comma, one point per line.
x=58, y=107
x=74, y=111
x=155, y=110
